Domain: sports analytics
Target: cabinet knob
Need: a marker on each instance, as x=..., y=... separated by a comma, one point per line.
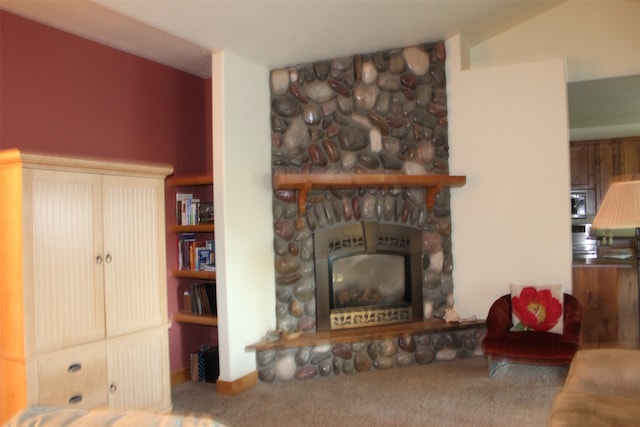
x=74, y=367
x=74, y=400
x=99, y=259
x=107, y=259
x=113, y=388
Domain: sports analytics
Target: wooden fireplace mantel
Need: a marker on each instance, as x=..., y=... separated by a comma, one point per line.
x=433, y=184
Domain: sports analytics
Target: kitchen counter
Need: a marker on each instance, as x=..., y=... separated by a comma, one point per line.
x=605, y=262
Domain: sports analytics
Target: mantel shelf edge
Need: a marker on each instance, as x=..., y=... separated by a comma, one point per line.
x=304, y=184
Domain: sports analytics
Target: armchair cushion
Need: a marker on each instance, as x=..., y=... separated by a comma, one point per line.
x=501, y=343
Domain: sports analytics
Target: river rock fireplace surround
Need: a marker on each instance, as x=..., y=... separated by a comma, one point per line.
x=360, y=177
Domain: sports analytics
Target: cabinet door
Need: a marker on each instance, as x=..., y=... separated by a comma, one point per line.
x=138, y=370
x=582, y=166
x=596, y=288
x=630, y=154
x=62, y=248
x=134, y=242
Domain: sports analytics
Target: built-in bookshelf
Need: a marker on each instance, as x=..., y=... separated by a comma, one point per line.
x=192, y=219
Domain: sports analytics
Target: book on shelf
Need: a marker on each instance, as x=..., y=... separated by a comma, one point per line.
x=184, y=240
x=183, y=201
x=193, y=248
x=203, y=257
x=205, y=213
x=203, y=299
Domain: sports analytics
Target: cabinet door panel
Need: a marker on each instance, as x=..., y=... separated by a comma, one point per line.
x=582, y=166
x=64, y=241
x=630, y=153
x=135, y=276
x=138, y=366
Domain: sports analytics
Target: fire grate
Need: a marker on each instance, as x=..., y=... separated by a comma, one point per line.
x=359, y=318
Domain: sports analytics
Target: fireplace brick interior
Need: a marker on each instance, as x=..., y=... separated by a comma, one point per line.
x=381, y=112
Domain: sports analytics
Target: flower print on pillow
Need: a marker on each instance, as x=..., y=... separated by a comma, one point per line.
x=537, y=308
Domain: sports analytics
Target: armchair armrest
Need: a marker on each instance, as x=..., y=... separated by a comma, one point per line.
x=499, y=317
x=609, y=372
x=572, y=319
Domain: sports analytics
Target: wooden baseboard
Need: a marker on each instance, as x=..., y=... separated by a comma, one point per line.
x=232, y=388
x=180, y=376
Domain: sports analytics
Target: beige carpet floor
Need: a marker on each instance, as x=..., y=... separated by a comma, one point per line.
x=442, y=394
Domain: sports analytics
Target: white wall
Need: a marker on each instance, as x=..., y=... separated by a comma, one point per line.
x=508, y=133
x=244, y=223
x=599, y=39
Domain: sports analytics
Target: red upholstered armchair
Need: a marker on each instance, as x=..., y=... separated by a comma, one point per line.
x=501, y=345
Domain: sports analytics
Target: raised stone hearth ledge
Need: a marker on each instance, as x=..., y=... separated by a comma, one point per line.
x=348, y=351
x=340, y=336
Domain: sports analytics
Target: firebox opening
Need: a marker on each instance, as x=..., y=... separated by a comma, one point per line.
x=369, y=280
x=367, y=274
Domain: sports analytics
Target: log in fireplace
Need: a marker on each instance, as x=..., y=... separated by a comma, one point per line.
x=367, y=274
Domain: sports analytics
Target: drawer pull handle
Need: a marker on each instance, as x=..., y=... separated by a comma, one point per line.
x=75, y=399
x=75, y=367
x=99, y=259
x=113, y=388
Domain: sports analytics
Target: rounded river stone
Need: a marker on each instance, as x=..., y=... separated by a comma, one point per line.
x=342, y=351
x=264, y=358
x=306, y=372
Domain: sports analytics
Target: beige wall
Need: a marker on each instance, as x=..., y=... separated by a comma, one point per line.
x=508, y=135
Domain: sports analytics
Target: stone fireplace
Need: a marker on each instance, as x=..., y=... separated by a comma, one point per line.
x=378, y=113
x=371, y=247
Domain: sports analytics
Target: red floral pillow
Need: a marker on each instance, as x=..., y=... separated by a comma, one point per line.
x=537, y=308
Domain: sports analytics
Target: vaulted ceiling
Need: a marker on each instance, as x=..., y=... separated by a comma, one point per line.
x=183, y=33
x=275, y=33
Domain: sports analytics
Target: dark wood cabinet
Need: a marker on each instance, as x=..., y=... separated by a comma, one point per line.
x=609, y=297
x=595, y=163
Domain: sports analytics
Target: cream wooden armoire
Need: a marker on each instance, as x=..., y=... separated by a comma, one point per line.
x=83, y=298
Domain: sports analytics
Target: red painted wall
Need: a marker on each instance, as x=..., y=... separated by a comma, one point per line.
x=66, y=95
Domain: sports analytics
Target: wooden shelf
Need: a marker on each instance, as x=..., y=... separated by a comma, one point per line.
x=195, y=319
x=194, y=274
x=433, y=184
x=200, y=228
x=188, y=181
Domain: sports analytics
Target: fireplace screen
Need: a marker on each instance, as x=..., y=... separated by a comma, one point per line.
x=368, y=280
x=367, y=274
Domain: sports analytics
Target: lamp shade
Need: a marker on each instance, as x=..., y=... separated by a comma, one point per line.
x=619, y=214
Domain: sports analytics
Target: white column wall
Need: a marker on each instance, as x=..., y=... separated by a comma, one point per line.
x=244, y=222
x=508, y=133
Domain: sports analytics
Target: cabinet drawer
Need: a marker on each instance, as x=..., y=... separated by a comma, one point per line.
x=75, y=377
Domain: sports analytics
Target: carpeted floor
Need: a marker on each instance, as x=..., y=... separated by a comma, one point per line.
x=443, y=394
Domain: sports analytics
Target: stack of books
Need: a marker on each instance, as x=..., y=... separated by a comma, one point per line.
x=190, y=211
x=196, y=254
x=203, y=299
